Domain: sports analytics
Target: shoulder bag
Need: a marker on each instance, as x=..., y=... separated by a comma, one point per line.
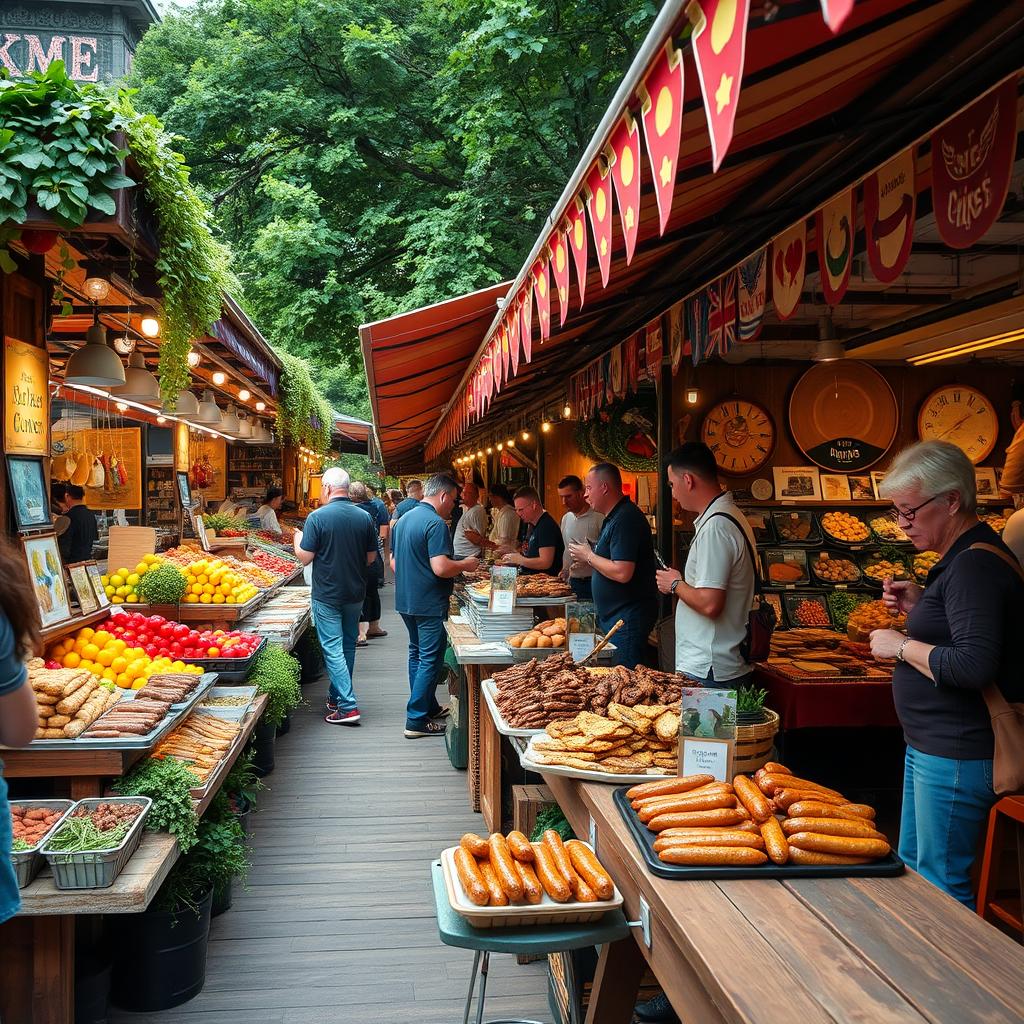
x=1007, y=718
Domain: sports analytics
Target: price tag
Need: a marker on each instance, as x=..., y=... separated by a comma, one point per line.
x=592, y=838
x=581, y=621
x=503, y=589
x=580, y=645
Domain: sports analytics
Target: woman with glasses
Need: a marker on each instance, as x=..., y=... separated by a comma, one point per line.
x=960, y=628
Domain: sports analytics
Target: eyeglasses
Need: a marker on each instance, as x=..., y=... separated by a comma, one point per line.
x=911, y=513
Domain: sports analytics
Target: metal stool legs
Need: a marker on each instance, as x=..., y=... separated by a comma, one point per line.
x=481, y=961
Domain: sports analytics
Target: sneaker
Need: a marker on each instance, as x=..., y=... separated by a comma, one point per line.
x=431, y=728
x=441, y=715
x=332, y=706
x=656, y=1011
x=343, y=717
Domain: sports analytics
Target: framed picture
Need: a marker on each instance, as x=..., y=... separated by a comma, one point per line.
x=82, y=585
x=44, y=567
x=96, y=580
x=184, y=491
x=799, y=483
x=877, y=476
x=986, y=483
x=31, y=500
x=204, y=540
x=835, y=487
x=860, y=487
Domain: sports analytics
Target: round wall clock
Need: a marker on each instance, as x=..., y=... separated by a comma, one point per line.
x=740, y=433
x=843, y=415
x=960, y=414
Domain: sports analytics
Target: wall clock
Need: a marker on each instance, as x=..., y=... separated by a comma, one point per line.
x=960, y=414
x=740, y=433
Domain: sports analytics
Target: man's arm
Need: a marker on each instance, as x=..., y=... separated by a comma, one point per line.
x=545, y=556
x=618, y=570
x=304, y=556
x=706, y=601
x=445, y=568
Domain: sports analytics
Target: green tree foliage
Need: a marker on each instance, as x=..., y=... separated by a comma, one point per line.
x=366, y=157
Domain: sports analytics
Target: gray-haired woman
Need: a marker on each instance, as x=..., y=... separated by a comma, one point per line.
x=958, y=641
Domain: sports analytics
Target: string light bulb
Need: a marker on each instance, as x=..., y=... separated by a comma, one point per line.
x=490, y=450
x=525, y=435
x=121, y=407
x=566, y=411
x=260, y=406
x=545, y=427
x=161, y=419
x=244, y=395
x=194, y=358
x=219, y=378
x=501, y=446
x=480, y=454
x=150, y=326
x=510, y=443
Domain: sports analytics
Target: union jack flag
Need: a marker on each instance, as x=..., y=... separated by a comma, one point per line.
x=722, y=314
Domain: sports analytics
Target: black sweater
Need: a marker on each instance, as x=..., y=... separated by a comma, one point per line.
x=971, y=610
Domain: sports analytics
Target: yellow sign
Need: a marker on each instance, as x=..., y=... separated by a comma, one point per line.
x=26, y=399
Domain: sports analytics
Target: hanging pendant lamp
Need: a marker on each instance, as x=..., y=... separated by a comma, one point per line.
x=187, y=406
x=139, y=384
x=95, y=363
x=244, y=426
x=229, y=421
x=209, y=412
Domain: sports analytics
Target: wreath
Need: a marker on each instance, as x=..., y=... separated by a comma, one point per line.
x=622, y=434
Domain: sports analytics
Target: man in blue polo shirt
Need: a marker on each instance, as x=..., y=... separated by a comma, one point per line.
x=623, y=581
x=424, y=567
x=413, y=494
x=341, y=542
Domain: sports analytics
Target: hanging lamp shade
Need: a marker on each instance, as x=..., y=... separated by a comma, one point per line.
x=95, y=363
x=209, y=412
x=244, y=426
x=187, y=406
x=229, y=421
x=139, y=384
x=265, y=435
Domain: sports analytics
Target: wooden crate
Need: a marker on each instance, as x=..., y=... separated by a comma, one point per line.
x=527, y=802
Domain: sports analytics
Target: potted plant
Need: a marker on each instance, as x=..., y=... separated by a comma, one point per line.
x=750, y=705
x=275, y=673
x=240, y=788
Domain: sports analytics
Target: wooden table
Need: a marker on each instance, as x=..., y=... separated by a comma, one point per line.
x=811, y=704
x=37, y=948
x=817, y=951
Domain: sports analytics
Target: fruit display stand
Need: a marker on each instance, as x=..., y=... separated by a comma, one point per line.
x=814, y=950
x=37, y=971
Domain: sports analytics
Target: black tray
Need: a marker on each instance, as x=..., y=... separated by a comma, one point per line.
x=229, y=670
x=887, y=867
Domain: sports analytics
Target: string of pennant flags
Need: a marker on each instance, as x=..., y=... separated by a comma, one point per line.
x=969, y=181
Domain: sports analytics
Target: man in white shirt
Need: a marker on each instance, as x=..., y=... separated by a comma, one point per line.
x=469, y=533
x=715, y=594
x=580, y=523
x=504, y=521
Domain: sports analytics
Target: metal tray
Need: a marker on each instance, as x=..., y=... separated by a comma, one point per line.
x=886, y=867
x=234, y=712
x=173, y=717
x=490, y=689
x=527, y=762
x=98, y=869
x=228, y=669
x=27, y=863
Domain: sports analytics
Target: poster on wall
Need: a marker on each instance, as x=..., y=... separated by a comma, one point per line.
x=114, y=458
x=26, y=399
x=47, y=575
x=209, y=468
x=31, y=504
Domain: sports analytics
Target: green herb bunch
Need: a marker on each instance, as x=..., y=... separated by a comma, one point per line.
x=166, y=584
x=551, y=816
x=168, y=783
x=750, y=698
x=841, y=604
x=218, y=855
x=219, y=521
x=242, y=783
x=276, y=673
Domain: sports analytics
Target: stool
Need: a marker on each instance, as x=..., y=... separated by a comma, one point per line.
x=1011, y=912
x=543, y=939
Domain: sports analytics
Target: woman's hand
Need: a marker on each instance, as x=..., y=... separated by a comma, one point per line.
x=899, y=596
x=666, y=577
x=885, y=643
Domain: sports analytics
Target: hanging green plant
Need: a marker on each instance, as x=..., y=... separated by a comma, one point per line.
x=303, y=415
x=192, y=265
x=629, y=438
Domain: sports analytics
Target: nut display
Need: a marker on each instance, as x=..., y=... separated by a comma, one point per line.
x=997, y=520
x=845, y=527
x=886, y=528
x=810, y=612
x=794, y=526
x=835, y=570
x=923, y=562
x=880, y=569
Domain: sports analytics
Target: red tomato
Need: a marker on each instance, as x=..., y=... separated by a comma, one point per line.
x=181, y=631
x=213, y=652
x=157, y=620
x=152, y=650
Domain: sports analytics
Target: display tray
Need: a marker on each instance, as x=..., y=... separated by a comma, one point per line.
x=521, y=915
x=490, y=692
x=174, y=716
x=523, y=602
x=873, y=582
x=235, y=712
x=528, y=763
x=28, y=863
x=524, y=654
x=848, y=564
x=228, y=669
x=886, y=867
x=804, y=522
x=870, y=675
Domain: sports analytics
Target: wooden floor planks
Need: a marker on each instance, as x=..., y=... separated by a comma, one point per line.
x=337, y=924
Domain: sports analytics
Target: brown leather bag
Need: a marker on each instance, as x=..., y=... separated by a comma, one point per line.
x=1007, y=718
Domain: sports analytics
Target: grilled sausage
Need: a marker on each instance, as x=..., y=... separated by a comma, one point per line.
x=752, y=798
x=550, y=877
x=504, y=867
x=471, y=878
x=590, y=869
x=701, y=855
x=775, y=840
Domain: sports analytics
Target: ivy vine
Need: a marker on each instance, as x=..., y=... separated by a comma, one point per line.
x=303, y=415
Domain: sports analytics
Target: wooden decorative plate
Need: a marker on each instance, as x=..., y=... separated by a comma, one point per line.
x=843, y=415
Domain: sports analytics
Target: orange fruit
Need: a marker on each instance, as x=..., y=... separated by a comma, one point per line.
x=71, y=660
x=89, y=652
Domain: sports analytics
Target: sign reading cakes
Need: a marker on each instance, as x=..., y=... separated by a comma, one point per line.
x=843, y=415
x=26, y=409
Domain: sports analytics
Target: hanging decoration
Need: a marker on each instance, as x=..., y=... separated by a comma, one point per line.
x=576, y=234
x=513, y=339
x=654, y=345
x=722, y=314
x=631, y=362
x=506, y=354
x=616, y=376
x=560, y=266
x=789, y=264
x=697, y=309
x=599, y=206
x=623, y=153
x=890, y=200
x=752, y=290
x=661, y=110
x=834, y=228
x=675, y=335
x=542, y=289
x=719, y=47
x=526, y=321
x=835, y=12
x=972, y=161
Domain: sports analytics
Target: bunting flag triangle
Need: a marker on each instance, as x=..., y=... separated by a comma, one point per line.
x=495, y=358
x=661, y=110
x=576, y=235
x=719, y=47
x=513, y=339
x=526, y=322
x=616, y=373
x=542, y=289
x=653, y=344
x=724, y=318
x=599, y=206
x=835, y=12
x=560, y=267
x=890, y=203
x=675, y=335
x=714, y=340
x=697, y=325
x=506, y=355
x=623, y=153
x=752, y=284
x=789, y=264
x=834, y=227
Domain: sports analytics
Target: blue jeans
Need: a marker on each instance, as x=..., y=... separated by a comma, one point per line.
x=945, y=807
x=581, y=588
x=338, y=629
x=631, y=640
x=427, y=643
x=728, y=684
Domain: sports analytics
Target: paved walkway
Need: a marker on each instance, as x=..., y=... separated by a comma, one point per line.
x=337, y=925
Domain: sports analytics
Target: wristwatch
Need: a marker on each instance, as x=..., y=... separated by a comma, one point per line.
x=675, y=583
x=899, y=653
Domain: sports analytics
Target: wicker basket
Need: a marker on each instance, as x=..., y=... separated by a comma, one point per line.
x=754, y=743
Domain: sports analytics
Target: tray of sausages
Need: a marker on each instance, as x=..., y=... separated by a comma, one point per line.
x=507, y=881
x=771, y=825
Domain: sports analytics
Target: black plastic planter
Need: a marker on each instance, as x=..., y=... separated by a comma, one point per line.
x=222, y=899
x=285, y=726
x=263, y=738
x=162, y=958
